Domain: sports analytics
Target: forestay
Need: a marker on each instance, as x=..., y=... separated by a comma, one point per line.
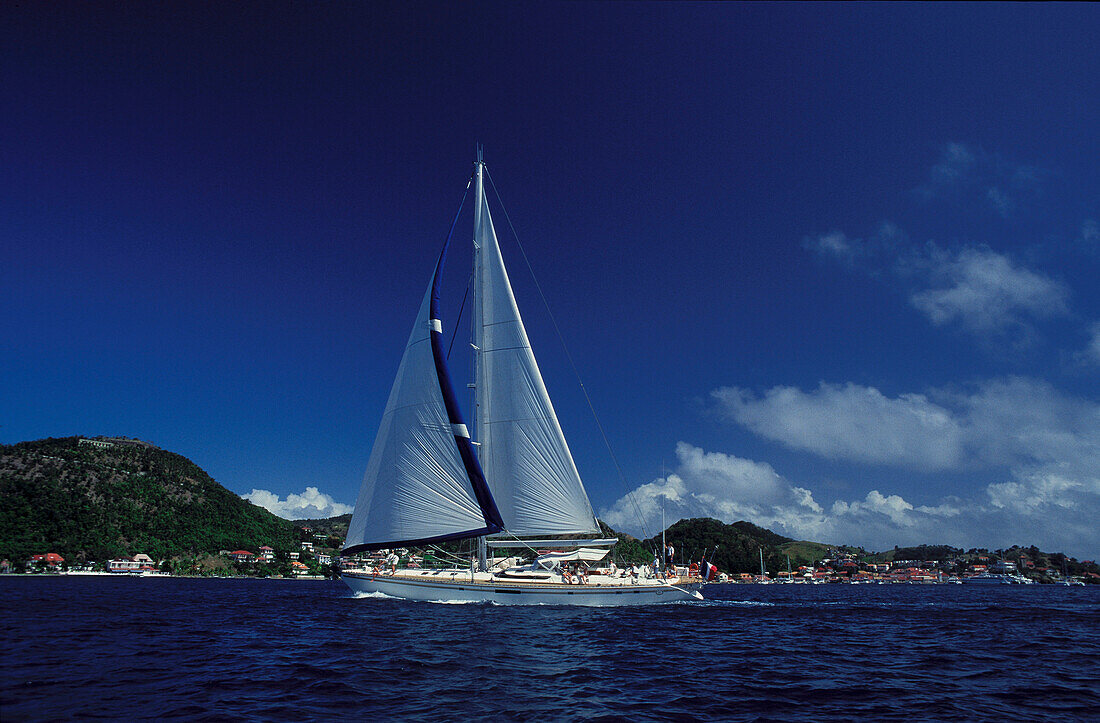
x=523, y=452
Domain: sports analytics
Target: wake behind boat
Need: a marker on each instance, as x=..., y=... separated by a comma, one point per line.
x=429, y=481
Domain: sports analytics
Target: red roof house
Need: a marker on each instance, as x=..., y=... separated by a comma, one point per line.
x=50, y=559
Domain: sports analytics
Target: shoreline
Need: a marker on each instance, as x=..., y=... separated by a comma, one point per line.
x=316, y=578
x=131, y=576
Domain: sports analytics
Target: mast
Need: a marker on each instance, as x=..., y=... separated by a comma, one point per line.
x=477, y=318
x=477, y=307
x=664, y=547
x=476, y=324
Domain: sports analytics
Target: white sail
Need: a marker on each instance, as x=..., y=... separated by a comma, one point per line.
x=417, y=487
x=523, y=452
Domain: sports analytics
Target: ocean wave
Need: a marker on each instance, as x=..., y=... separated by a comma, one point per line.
x=737, y=603
x=373, y=596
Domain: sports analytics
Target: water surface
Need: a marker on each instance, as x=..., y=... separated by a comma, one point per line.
x=267, y=650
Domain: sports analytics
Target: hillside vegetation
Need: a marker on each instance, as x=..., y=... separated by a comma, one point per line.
x=91, y=502
x=1028, y=558
x=738, y=544
x=332, y=526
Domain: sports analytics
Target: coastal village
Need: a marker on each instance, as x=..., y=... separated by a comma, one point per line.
x=845, y=568
x=318, y=558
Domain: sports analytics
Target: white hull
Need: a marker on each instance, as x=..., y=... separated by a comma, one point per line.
x=989, y=580
x=459, y=588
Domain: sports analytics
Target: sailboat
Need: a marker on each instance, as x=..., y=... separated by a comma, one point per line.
x=429, y=480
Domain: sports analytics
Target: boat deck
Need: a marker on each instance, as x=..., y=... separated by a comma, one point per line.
x=485, y=579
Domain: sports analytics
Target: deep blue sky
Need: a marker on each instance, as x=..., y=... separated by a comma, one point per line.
x=830, y=268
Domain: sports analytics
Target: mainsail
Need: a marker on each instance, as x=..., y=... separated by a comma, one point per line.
x=423, y=482
x=523, y=452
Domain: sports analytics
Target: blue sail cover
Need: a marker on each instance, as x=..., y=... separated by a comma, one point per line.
x=423, y=482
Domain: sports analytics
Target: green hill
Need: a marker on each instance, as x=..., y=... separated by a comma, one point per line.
x=738, y=544
x=333, y=526
x=108, y=497
x=805, y=552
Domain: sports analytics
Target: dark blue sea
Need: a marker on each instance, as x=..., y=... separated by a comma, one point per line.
x=264, y=650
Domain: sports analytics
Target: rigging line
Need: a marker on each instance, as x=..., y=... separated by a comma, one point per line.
x=461, y=203
x=591, y=407
x=461, y=307
x=524, y=544
x=448, y=554
x=451, y=233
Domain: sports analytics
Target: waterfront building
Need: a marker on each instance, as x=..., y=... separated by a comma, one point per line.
x=138, y=563
x=50, y=560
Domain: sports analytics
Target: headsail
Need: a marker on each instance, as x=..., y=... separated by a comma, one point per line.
x=423, y=482
x=523, y=452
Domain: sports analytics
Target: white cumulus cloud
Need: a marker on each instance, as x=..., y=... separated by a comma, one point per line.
x=1052, y=507
x=985, y=291
x=1006, y=421
x=713, y=484
x=850, y=422
x=729, y=488
x=310, y=504
x=981, y=290
x=1039, y=446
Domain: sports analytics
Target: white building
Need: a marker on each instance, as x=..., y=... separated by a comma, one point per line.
x=95, y=443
